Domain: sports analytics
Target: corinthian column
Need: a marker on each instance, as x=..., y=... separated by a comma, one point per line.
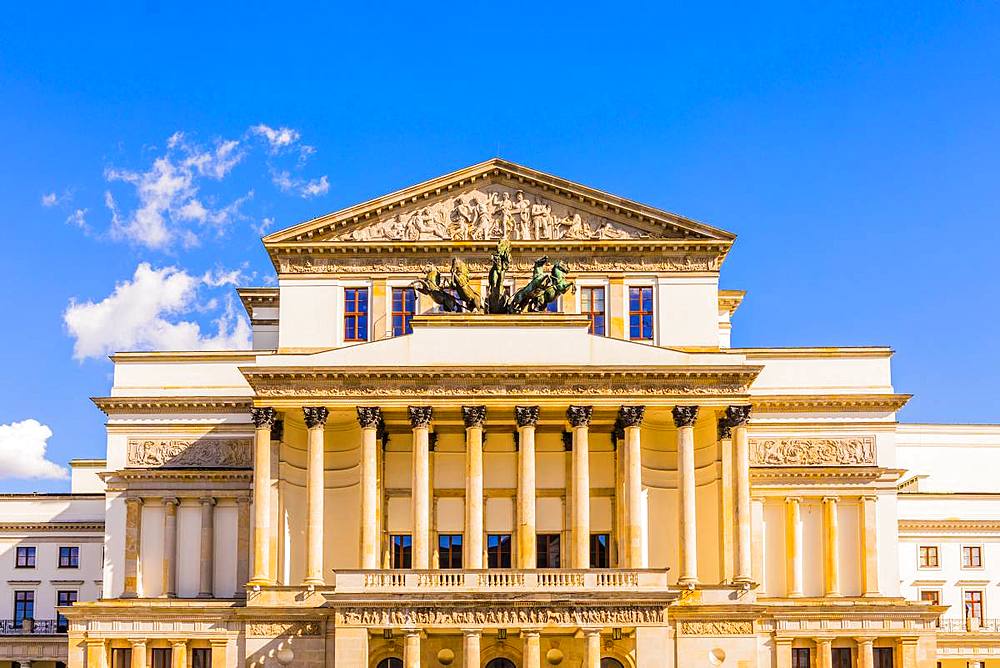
x=579, y=419
x=170, y=546
x=527, y=418
x=420, y=421
x=474, y=417
x=684, y=419
x=315, y=419
x=133, y=538
x=630, y=419
x=369, y=418
x=263, y=421
x=738, y=417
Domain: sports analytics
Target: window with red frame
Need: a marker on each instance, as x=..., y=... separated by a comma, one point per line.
x=640, y=313
x=404, y=306
x=355, y=314
x=592, y=306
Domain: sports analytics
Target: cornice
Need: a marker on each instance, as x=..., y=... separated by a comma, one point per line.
x=49, y=527
x=814, y=351
x=185, y=356
x=949, y=525
x=824, y=474
x=130, y=405
x=401, y=385
x=178, y=475
x=787, y=403
x=730, y=300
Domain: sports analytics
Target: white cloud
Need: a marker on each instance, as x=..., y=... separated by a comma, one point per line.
x=264, y=225
x=147, y=312
x=167, y=194
x=50, y=199
x=277, y=138
x=315, y=187
x=305, y=189
x=79, y=219
x=22, y=451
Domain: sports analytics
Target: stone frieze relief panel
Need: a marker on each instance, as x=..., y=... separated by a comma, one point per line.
x=717, y=628
x=283, y=629
x=502, y=616
x=492, y=212
x=845, y=451
x=196, y=453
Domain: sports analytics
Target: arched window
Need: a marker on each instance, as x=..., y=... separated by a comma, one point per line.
x=608, y=662
x=500, y=663
x=390, y=663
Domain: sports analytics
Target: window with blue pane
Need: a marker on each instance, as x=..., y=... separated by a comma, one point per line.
x=355, y=314
x=404, y=307
x=640, y=313
x=24, y=606
x=450, y=550
x=553, y=306
x=592, y=305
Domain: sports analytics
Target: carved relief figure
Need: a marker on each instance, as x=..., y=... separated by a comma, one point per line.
x=483, y=219
x=541, y=218
x=503, y=207
x=461, y=218
x=523, y=209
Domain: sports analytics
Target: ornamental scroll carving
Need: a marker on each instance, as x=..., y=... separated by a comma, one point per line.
x=717, y=628
x=493, y=212
x=850, y=451
x=232, y=453
x=283, y=629
x=503, y=616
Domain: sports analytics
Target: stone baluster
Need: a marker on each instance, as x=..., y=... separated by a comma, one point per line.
x=370, y=418
x=579, y=419
x=684, y=419
x=738, y=417
x=420, y=422
x=527, y=418
x=315, y=419
x=475, y=418
x=263, y=420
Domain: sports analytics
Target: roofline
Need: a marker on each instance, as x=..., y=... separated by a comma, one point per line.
x=814, y=351
x=474, y=172
x=183, y=356
x=52, y=496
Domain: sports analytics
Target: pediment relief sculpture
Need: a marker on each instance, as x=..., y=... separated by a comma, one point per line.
x=490, y=213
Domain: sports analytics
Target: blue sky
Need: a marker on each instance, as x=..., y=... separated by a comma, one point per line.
x=852, y=147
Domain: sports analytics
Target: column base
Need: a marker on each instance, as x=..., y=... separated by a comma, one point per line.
x=205, y=595
x=130, y=594
x=314, y=582
x=687, y=582
x=260, y=583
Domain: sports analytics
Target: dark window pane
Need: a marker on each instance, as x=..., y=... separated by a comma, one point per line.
x=201, y=658
x=547, y=548
x=842, y=657
x=883, y=657
x=25, y=557
x=161, y=657
x=121, y=657
x=600, y=553
x=402, y=551
x=800, y=657
x=498, y=550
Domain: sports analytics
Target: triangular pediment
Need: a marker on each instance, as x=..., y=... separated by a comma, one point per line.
x=496, y=199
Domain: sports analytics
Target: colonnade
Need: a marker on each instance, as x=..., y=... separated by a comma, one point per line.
x=632, y=530
x=531, y=655
x=98, y=652
x=170, y=507
x=903, y=649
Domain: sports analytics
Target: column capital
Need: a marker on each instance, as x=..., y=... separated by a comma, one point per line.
x=264, y=417
x=685, y=416
x=472, y=632
x=864, y=640
x=824, y=641
x=133, y=499
x=868, y=497
x=474, y=416
x=242, y=500
x=411, y=632
x=592, y=630
x=531, y=631
x=369, y=417
x=724, y=428
x=207, y=500
x=171, y=501
x=315, y=416
x=738, y=416
x=631, y=416
x=420, y=416
x=830, y=499
x=136, y=642
x=793, y=499
x=526, y=416
x=178, y=643
x=218, y=642
x=579, y=416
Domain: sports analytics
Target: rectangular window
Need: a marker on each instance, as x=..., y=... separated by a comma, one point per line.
x=547, y=555
x=24, y=606
x=121, y=657
x=25, y=557
x=842, y=657
x=552, y=306
x=404, y=307
x=65, y=597
x=450, y=550
x=355, y=314
x=498, y=550
x=972, y=556
x=600, y=550
x=973, y=604
x=201, y=658
x=161, y=657
x=932, y=596
x=69, y=557
x=640, y=313
x=928, y=556
x=402, y=551
x=592, y=306
x=800, y=657
x=883, y=657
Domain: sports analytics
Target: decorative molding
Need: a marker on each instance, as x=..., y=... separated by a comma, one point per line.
x=347, y=385
x=685, y=416
x=315, y=416
x=738, y=415
x=717, y=628
x=420, y=416
x=502, y=615
x=263, y=417
x=845, y=451
x=49, y=527
x=794, y=403
x=950, y=526
x=369, y=417
x=474, y=416
x=233, y=453
x=631, y=416
x=131, y=405
x=283, y=629
x=526, y=416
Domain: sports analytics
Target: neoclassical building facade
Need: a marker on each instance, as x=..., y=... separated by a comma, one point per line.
x=597, y=479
